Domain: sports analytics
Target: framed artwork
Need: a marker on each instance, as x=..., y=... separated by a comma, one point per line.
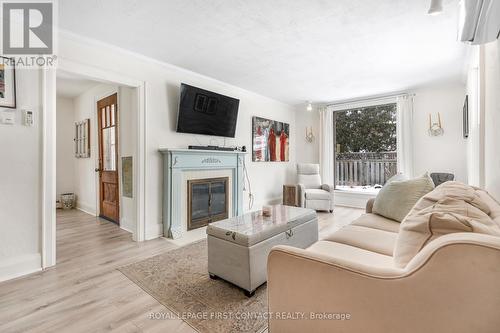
x=82, y=139
x=7, y=83
x=270, y=140
x=465, y=116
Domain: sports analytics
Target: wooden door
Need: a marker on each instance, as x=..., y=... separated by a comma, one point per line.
x=109, y=203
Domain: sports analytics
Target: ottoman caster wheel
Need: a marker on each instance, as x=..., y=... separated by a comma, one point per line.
x=213, y=276
x=249, y=293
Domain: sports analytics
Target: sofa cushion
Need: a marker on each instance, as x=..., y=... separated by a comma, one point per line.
x=397, y=198
x=365, y=238
x=377, y=222
x=317, y=194
x=350, y=255
x=451, y=207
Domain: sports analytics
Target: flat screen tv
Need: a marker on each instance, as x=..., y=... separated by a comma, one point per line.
x=205, y=112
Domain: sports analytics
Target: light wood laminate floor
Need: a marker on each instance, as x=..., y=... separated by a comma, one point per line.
x=85, y=292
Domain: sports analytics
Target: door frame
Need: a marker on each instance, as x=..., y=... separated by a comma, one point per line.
x=48, y=79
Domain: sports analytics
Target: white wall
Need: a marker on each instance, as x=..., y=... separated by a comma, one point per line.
x=20, y=182
x=307, y=152
x=475, y=140
x=492, y=118
x=446, y=153
x=65, y=153
x=162, y=98
x=85, y=181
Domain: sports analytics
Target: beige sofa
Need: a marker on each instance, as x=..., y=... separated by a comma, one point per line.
x=451, y=285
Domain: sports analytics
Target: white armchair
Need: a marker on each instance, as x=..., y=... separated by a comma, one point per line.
x=312, y=193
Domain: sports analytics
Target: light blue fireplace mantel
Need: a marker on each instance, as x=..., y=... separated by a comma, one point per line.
x=176, y=161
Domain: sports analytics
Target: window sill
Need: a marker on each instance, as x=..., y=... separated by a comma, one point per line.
x=356, y=199
x=356, y=193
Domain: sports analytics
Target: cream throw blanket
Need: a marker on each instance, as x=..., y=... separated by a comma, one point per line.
x=450, y=207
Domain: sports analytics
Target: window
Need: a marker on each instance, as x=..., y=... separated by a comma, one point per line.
x=82, y=139
x=365, y=147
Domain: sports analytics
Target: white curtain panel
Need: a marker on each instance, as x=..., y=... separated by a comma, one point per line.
x=404, y=133
x=326, y=145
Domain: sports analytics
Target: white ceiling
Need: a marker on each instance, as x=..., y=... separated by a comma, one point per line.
x=291, y=50
x=70, y=85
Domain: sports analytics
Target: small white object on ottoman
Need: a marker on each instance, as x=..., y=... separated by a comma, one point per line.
x=238, y=247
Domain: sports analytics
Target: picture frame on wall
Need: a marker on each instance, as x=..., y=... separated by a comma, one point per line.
x=270, y=140
x=7, y=83
x=465, y=115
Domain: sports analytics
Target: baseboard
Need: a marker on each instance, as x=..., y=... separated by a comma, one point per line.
x=125, y=228
x=19, y=266
x=86, y=209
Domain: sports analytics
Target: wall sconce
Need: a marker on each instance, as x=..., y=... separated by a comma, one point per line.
x=309, y=106
x=309, y=134
x=435, y=129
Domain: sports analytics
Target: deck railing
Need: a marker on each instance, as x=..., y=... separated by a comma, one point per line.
x=364, y=169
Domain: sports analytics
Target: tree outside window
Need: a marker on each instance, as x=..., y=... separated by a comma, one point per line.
x=365, y=150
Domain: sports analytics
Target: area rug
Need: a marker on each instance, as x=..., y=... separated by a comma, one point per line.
x=179, y=280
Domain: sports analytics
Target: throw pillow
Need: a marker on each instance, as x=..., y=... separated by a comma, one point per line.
x=396, y=177
x=397, y=198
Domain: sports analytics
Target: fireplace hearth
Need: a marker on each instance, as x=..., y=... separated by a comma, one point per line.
x=207, y=201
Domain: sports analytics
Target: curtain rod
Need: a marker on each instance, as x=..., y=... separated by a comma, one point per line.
x=370, y=98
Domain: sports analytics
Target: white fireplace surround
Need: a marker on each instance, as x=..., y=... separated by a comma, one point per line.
x=181, y=165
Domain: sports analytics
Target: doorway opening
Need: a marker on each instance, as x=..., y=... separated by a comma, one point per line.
x=96, y=150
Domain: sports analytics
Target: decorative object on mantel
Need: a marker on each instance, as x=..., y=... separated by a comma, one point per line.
x=7, y=83
x=465, y=116
x=271, y=140
x=309, y=135
x=82, y=139
x=127, y=177
x=435, y=129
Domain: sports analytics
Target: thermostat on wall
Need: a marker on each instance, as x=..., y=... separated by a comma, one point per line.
x=8, y=117
x=28, y=117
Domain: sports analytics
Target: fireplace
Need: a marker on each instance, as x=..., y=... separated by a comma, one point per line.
x=207, y=201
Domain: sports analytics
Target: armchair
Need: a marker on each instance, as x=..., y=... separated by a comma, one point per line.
x=312, y=193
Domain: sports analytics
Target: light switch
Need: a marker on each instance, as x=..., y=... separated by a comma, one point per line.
x=8, y=117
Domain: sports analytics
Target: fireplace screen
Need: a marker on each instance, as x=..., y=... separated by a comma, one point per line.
x=207, y=201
